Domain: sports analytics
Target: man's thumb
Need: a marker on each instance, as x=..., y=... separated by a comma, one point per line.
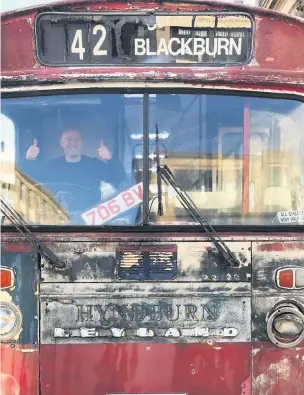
x=35, y=142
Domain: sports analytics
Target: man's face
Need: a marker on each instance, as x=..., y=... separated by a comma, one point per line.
x=71, y=143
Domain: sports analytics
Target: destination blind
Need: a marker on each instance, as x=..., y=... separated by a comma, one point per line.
x=95, y=39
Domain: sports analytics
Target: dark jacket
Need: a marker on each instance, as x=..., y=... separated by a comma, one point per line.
x=80, y=179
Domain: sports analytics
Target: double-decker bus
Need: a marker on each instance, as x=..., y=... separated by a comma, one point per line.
x=152, y=200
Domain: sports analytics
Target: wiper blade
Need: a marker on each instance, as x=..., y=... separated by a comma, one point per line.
x=19, y=223
x=160, y=210
x=166, y=174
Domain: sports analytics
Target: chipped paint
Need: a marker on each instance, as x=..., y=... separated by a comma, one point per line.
x=281, y=369
x=246, y=387
x=277, y=67
x=8, y=384
x=5, y=296
x=270, y=44
x=138, y=84
x=275, y=373
x=26, y=350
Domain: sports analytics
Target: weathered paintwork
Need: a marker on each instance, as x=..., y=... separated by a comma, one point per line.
x=19, y=358
x=146, y=369
x=19, y=369
x=247, y=363
x=106, y=364
x=278, y=57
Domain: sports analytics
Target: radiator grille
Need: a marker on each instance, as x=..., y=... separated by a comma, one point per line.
x=147, y=262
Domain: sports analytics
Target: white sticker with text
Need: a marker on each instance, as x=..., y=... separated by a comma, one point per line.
x=106, y=211
x=289, y=217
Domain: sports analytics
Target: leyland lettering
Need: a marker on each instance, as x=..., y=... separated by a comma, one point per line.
x=203, y=332
x=108, y=315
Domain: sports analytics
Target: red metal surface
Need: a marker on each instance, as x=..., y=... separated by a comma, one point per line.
x=218, y=369
x=277, y=371
x=283, y=246
x=19, y=370
x=276, y=59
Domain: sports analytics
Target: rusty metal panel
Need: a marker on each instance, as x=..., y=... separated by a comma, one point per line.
x=195, y=261
x=261, y=306
x=24, y=294
x=277, y=58
x=145, y=368
x=19, y=348
x=268, y=257
x=86, y=313
x=275, y=370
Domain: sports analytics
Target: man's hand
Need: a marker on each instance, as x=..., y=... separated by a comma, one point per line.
x=33, y=151
x=103, y=152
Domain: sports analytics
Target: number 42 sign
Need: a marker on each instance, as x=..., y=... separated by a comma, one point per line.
x=106, y=211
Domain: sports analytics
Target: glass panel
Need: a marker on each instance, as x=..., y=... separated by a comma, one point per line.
x=73, y=159
x=238, y=158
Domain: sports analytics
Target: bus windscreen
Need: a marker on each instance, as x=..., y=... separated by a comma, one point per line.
x=79, y=159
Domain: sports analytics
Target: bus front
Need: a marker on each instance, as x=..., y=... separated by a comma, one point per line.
x=152, y=200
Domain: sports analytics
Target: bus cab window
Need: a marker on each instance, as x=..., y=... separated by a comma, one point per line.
x=236, y=157
x=76, y=153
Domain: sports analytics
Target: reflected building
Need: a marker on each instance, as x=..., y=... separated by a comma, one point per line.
x=30, y=200
x=291, y=7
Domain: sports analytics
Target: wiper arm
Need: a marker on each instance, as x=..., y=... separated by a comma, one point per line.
x=160, y=210
x=19, y=223
x=166, y=174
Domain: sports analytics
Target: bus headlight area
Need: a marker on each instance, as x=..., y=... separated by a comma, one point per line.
x=10, y=321
x=285, y=326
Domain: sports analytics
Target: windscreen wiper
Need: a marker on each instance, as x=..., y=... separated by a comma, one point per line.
x=160, y=210
x=19, y=223
x=165, y=174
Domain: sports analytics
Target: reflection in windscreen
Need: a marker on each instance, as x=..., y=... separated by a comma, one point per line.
x=78, y=159
x=74, y=159
x=239, y=159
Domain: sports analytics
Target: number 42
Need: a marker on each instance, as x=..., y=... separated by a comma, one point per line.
x=77, y=44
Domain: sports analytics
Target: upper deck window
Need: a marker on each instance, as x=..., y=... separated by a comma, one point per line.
x=80, y=158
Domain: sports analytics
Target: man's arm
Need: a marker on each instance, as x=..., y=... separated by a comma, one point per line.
x=113, y=172
x=111, y=168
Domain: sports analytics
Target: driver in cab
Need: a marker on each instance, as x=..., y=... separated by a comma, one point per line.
x=74, y=175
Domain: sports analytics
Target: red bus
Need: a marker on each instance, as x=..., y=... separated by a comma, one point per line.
x=152, y=200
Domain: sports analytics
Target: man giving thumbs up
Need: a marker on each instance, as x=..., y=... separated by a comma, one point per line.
x=33, y=151
x=74, y=172
x=103, y=152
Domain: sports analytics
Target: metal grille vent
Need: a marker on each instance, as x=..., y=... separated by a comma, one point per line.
x=147, y=262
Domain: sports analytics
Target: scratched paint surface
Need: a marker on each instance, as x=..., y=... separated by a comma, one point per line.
x=19, y=369
x=276, y=60
x=198, y=362
x=145, y=368
x=96, y=262
x=202, y=361
x=160, y=315
x=275, y=370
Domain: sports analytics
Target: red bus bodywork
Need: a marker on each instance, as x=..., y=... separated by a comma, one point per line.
x=113, y=366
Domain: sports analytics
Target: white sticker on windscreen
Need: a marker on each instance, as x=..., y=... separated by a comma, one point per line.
x=291, y=217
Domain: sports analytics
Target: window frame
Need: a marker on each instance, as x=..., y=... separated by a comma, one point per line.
x=146, y=91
